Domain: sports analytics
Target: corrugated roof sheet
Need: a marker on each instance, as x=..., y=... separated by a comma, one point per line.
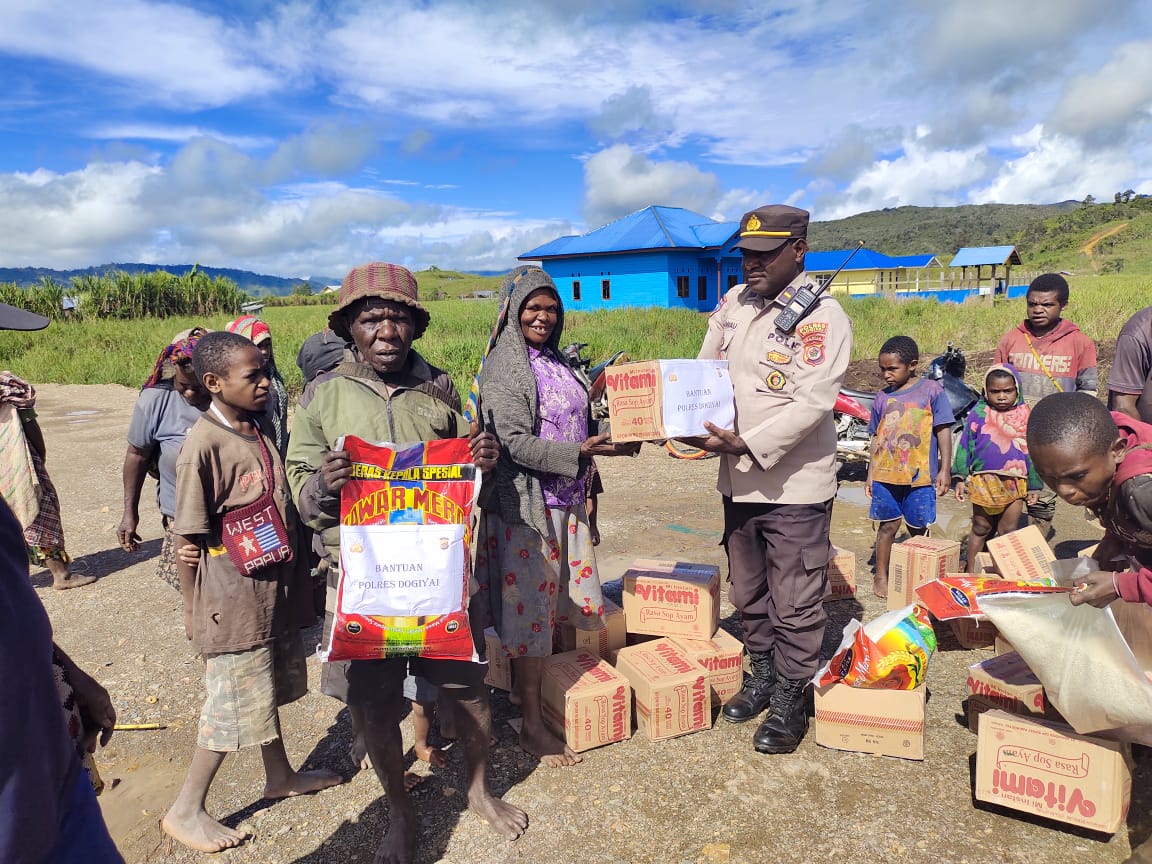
x=977, y=256
x=651, y=228
x=914, y=262
x=865, y=259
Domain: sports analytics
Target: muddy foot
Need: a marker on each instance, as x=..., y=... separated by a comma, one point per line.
x=553, y=752
x=413, y=781
x=304, y=783
x=71, y=580
x=506, y=820
x=201, y=832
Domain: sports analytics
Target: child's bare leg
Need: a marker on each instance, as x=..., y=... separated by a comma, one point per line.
x=422, y=713
x=1010, y=518
x=885, y=535
x=984, y=525
x=446, y=715
x=283, y=782
x=187, y=821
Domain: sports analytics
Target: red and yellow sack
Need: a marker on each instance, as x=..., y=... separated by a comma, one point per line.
x=405, y=562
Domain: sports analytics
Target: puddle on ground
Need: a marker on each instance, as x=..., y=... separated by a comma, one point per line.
x=79, y=413
x=78, y=422
x=853, y=495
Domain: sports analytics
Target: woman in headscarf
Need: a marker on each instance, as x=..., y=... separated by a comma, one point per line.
x=27, y=486
x=169, y=403
x=536, y=555
x=252, y=328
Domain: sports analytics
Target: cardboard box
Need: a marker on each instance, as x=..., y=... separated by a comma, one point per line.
x=1022, y=555
x=722, y=657
x=985, y=563
x=1002, y=646
x=585, y=701
x=973, y=633
x=1005, y=683
x=841, y=575
x=885, y=722
x=915, y=562
x=657, y=399
x=600, y=641
x=670, y=689
x=672, y=598
x=499, y=666
x=1046, y=769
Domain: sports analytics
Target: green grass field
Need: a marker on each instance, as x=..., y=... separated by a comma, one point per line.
x=122, y=352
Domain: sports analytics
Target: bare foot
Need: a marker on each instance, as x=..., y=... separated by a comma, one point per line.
x=201, y=832
x=506, y=820
x=553, y=752
x=304, y=783
x=880, y=586
x=434, y=756
x=398, y=846
x=63, y=578
x=365, y=762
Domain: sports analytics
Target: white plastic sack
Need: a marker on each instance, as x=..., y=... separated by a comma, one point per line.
x=1080, y=656
x=401, y=570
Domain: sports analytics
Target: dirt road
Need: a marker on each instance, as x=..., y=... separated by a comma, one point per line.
x=692, y=799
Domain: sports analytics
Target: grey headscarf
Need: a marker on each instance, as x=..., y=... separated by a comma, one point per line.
x=509, y=402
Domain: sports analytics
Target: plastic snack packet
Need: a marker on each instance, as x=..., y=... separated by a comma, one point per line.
x=888, y=653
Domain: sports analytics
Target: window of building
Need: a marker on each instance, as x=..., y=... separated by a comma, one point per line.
x=733, y=280
x=575, y=289
x=682, y=286
x=606, y=289
x=701, y=287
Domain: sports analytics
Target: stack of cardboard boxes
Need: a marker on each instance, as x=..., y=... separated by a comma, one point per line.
x=662, y=653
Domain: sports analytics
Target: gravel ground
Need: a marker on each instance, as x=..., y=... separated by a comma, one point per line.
x=705, y=797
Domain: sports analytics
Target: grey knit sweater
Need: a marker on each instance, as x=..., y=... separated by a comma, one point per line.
x=509, y=407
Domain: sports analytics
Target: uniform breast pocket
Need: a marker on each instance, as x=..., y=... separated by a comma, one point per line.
x=776, y=381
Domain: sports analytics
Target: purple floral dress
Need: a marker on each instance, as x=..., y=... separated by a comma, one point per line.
x=536, y=582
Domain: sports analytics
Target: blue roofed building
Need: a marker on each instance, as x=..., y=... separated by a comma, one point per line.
x=675, y=258
x=658, y=256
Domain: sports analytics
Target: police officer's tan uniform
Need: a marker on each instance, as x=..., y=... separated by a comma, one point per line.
x=777, y=498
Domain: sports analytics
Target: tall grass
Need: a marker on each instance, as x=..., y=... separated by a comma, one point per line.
x=123, y=351
x=128, y=296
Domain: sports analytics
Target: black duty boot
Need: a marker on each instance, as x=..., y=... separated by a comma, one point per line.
x=756, y=692
x=787, y=721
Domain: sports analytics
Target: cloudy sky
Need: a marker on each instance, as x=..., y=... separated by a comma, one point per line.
x=301, y=138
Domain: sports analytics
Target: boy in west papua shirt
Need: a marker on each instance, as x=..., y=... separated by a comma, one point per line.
x=1051, y=355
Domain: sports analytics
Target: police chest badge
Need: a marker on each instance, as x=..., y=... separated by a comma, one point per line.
x=812, y=337
x=779, y=357
x=775, y=380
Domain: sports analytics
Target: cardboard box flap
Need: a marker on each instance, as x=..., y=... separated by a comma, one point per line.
x=1023, y=555
x=681, y=571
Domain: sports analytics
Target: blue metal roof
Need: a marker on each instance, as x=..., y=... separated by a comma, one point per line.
x=914, y=262
x=978, y=256
x=651, y=228
x=865, y=259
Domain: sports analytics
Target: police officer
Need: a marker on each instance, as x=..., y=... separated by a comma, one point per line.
x=787, y=351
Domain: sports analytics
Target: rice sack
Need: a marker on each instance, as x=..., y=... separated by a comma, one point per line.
x=405, y=562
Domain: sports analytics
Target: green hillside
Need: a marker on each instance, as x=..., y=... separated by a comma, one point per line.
x=1094, y=238
x=937, y=230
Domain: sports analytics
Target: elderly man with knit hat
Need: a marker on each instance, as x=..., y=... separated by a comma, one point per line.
x=787, y=345
x=385, y=391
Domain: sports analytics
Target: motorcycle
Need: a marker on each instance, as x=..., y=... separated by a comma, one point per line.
x=853, y=408
x=591, y=376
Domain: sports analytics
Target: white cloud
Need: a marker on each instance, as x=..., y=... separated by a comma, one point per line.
x=173, y=54
x=1059, y=168
x=173, y=133
x=619, y=180
x=919, y=175
x=1111, y=101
